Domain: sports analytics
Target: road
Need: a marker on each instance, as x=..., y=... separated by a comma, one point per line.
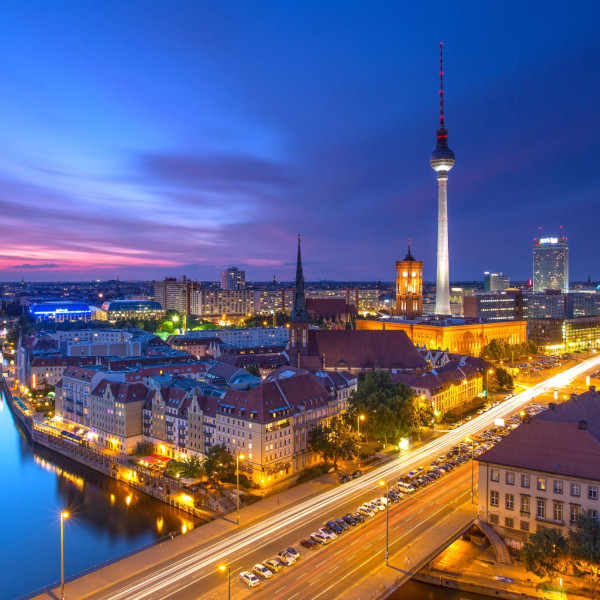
x=194, y=572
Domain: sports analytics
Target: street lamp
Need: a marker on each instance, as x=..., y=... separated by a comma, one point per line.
x=472, y=468
x=489, y=372
x=63, y=515
x=224, y=568
x=359, y=418
x=237, y=472
x=387, y=520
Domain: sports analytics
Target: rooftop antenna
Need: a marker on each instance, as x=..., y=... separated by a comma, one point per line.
x=441, y=87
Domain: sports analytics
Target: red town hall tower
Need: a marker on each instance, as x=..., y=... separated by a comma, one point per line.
x=409, y=287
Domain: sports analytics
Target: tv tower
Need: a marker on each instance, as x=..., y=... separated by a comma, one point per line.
x=441, y=161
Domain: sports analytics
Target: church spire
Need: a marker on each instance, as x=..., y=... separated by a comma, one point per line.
x=409, y=256
x=299, y=313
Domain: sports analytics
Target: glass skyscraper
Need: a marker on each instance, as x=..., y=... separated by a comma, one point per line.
x=551, y=264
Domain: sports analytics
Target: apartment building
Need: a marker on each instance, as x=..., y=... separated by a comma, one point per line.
x=546, y=472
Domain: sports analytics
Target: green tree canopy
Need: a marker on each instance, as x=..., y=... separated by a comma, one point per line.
x=544, y=552
x=334, y=441
x=219, y=464
x=584, y=542
x=498, y=349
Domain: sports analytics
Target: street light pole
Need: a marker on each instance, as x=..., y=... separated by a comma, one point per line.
x=387, y=521
x=63, y=515
x=472, y=469
x=359, y=418
x=223, y=568
x=237, y=473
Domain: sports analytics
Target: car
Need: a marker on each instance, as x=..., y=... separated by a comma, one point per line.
x=350, y=520
x=334, y=527
x=273, y=564
x=411, y=474
x=328, y=533
x=391, y=496
x=345, y=478
x=419, y=469
x=407, y=488
x=287, y=559
x=293, y=552
x=262, y=571
x=249, y=578
x=365, y=512
x=341, y=523
x=358, y=517
x=319, y=538
x=357, y=473
x=372, y=505
x=308, y=543
x=379, y=504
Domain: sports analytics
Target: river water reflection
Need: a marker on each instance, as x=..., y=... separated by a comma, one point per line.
x=107, y=518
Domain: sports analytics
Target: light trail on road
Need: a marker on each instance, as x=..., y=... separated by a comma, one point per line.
x=157, y=584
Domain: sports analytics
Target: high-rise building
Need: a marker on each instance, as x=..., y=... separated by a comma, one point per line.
x=495, y=282
x=409, y=286
x=174, y=294
x=551, y=264
x=233, y=279
x=441, y=161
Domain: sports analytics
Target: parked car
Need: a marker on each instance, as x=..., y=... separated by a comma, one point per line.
x=350, y=519
x=330, y=535
x=287, y=559
x=345, y=478
x=249, y=578
x=357, y=473
x=380, y=503
x=341, y=523
x=365, y=511
x=293, y=552
x=262, y=571
x=334, y=527
x=358, y=517
x=319, y=538
x=273, y=564
x=407, y=488
x=308, y=543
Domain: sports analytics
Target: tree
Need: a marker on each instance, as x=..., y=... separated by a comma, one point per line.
x=501, y=379
x=144, y=449
x=192, y=468
x=584, y=544
x=544, y=552
x=501, y=350
x=253, y=370
x=334, y=441
x=219, y=464
x=389, y=409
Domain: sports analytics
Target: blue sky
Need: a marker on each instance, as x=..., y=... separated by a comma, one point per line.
x=144, y=139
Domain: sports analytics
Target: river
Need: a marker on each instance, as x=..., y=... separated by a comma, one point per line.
x=106, y=518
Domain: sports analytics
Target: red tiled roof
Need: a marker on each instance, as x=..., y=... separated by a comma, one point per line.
x=364, y=349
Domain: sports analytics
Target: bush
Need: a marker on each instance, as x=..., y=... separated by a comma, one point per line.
x=144, y=449
x=314, y=471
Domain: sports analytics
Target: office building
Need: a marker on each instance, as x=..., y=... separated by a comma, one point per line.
x=551, y=264
x=233, y=279
x=223, y=304
x=116, y=310
x=495, y=282
x=565, y=335
x=175, y=294
x=490, y=307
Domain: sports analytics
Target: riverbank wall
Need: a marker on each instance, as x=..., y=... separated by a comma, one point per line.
x=194, y=501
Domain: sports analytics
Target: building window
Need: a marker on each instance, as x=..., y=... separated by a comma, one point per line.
x=594, y=515
x=558, y=486
x=494, y=475
x=525, y=481
x=510, y=477
x=593, y=492
x=541, y=484
x=494, y=519
x=558, y=511
x=509, y=522
x=525, y=504
x=524, y=525
x=541, y=509
x=510, y=501
x=575, y=490
x=494, y=498
x=574, y=512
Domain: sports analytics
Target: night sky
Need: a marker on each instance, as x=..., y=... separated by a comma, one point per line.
x=145, y=139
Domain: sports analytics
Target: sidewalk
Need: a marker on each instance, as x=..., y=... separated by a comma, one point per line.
x=469, y=567
x=94, y=582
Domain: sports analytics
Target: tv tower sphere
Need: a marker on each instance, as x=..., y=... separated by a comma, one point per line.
x=442, y=159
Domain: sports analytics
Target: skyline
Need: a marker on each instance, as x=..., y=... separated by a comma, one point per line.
x=185, y=143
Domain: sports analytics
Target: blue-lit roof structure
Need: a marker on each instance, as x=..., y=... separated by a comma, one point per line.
x=52, y=309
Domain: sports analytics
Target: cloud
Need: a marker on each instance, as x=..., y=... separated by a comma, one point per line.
x=29, y=266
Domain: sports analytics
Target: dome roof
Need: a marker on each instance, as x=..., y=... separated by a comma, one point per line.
x=442, y=159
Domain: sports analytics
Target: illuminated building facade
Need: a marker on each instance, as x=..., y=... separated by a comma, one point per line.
x=563, y=335
x=60, y=311
x=551, y=264
x=464, y=336
x=490, y=307
x=409, y=287
x=233, y=279
x=175, y=294
x=129, y=309
x=495, y=282
x=211, y=304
